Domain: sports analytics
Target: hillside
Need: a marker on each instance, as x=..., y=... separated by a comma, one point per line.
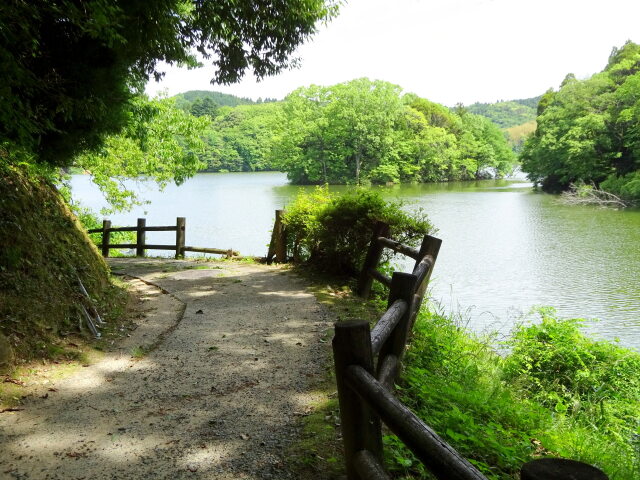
x=184, y=100
x=508, y=113
x=43, y=252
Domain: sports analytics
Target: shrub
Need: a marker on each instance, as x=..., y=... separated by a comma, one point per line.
x=562, y=368
x=556, y=392
x=452, y=382
x=332, y=232
x=626, y=186
x=593, y=385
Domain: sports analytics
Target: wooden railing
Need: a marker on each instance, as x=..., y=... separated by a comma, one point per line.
x=424, y=257
x=179, y=246
x=365, y=386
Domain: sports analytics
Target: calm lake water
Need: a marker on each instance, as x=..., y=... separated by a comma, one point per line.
x=505, y=248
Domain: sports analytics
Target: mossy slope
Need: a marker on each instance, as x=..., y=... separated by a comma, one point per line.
x=43, y=252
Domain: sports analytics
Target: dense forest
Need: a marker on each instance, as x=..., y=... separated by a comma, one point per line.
x=507, y=114
x=357, y=132
x=515, y=117
x=589, y=130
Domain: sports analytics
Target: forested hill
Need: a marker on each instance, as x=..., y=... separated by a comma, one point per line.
x=508, y=113
x=589, y=130
x=361, y=131
x=186, y=99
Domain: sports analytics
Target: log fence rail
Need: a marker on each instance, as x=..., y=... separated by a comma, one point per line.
x=141, y=228
x=365, y=386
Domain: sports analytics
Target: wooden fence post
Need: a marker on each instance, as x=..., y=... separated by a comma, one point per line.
x=140, y=237
x=278, y=243
x=106, y=237
x=430, y=246
x=372, y=259
x=360, y=426
x=281, y=238
x=180, y=234
x=403, y=287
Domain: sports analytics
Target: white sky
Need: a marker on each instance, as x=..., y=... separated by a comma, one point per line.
x=448, y=51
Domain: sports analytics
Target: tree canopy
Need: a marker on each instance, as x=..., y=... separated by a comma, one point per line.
x=507, y=114
x=70, y=68
x=366, y=131
x=159, y=141
x=589, y=130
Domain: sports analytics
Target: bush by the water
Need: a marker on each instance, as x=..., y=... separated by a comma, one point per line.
x=626, y=186
x=332, y=232
x=557, y=392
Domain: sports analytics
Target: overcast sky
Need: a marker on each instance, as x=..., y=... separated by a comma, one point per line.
x=448, y=51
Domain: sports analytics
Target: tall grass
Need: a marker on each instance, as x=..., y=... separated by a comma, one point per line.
x=556, y=392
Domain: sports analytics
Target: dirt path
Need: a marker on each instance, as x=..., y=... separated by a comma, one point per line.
x=238, y=349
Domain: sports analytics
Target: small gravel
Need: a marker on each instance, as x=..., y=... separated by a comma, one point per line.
x=237, y=353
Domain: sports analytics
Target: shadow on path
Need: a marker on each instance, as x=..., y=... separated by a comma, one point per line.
x=218, y=398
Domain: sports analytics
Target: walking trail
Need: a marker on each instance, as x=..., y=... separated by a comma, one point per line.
x=238, y=350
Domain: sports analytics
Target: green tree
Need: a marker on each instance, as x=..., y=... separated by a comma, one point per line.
x=240, y=138
x=588, y=130
x=160, y=142
x=485, y=149
x=204, y=106
x=69, y=67
x=342, y=132
x=367, y=132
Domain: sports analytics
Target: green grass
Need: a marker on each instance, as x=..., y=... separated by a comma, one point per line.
x=140, y=351
x=556, y=393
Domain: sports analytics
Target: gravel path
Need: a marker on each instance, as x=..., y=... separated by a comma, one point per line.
x=238, y=349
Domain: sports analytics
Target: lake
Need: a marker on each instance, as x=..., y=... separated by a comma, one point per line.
x=505, y=248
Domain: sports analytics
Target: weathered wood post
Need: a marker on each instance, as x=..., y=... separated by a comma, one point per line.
x=372, y=259
x=140, y=237
x=281, y=238
x=180, y=234
x=403, y=287
x=360, y=426
x=430, y=246
x=278, y=243
x=106, y=237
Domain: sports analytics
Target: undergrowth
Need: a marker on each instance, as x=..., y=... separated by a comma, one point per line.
x=43, y=253
x=332, y=232
x=556, y=392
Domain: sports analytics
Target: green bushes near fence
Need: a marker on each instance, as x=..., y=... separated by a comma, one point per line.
x=556, y=392
x=332, y=232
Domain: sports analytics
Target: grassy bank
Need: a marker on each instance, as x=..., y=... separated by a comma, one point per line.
x=551, y=392
x=557, y=392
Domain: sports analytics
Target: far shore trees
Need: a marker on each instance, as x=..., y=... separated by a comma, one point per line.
x=589, y=130
x=366, y=131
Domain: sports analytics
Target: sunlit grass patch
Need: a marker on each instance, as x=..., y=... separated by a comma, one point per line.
x=555, y=392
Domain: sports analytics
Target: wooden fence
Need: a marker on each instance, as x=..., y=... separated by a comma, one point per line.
x=365, y=387
x=141, y=228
